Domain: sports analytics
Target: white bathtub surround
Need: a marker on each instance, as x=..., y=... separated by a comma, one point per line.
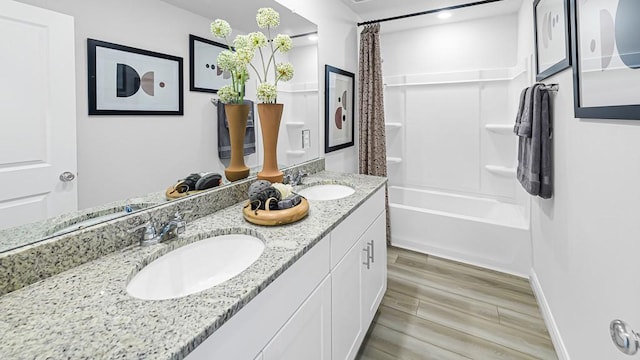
x=471, y=229
x=454, y=193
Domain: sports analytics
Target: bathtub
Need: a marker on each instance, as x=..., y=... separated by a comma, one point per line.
x=474, y=230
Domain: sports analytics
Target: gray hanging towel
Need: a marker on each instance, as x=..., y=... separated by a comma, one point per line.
x=526, y=112
x=534, y=151
x=523, y=96
x=224, y=142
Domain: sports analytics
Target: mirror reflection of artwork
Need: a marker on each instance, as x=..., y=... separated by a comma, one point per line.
x=552, y=41
x=339, y=112
x=609, y=58
x=205, y=76
x=129, y=81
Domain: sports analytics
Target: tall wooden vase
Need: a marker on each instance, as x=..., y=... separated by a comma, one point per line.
x=270, y=116
x=237, y=115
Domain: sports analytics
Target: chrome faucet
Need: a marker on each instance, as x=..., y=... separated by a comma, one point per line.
x=170, y=230
x=294, y=178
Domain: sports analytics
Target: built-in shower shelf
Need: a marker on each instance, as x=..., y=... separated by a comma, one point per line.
x=294, y=124
x=394, y=160
x=393, y=125
x=295, y=152
x=501, y=170
x=499, y=128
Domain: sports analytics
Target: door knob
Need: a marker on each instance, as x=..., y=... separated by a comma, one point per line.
x=624, y=338
x=67, y=176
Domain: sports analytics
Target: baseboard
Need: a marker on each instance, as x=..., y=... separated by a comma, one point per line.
x=556, y=338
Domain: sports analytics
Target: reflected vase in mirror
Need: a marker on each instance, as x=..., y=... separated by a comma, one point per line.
x=237, y=115
x=270, y=116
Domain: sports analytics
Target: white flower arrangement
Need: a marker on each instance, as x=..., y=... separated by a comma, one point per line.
x=236, y=62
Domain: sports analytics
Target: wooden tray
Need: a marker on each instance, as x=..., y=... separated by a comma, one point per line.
x=177, y=195
x=276, y=217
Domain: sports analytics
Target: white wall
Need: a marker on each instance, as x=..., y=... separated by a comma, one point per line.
x=337, y=46
x=585, y=239
x=443, y=142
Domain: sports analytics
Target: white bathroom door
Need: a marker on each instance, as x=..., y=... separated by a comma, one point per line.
x=37, y=114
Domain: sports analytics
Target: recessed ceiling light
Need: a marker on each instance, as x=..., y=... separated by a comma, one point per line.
x=444, y=15
x=313, y=37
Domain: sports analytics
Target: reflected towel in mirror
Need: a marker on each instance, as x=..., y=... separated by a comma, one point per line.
x=224, y=142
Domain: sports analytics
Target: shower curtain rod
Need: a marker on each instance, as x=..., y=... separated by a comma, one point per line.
x=454, y=7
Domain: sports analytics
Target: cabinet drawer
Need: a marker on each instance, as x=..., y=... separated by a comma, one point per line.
x=349, y=231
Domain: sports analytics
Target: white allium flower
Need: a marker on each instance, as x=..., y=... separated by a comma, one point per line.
x=220, y=28
x=241, y=41
x=244, y=55
x=283, y=43
x=257, y=39
x=227, y=94
x=285, y=71
x=267, y=93
x=267, y=17
x=227, y=60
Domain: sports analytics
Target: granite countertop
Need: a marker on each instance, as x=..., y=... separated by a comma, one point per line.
x=30, y=233
x=85, y=312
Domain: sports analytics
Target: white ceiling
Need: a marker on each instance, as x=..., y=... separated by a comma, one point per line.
x=379, y=9
x=241, y=14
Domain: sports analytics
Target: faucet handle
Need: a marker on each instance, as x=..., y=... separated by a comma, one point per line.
x=287, y=179
x=150, y=235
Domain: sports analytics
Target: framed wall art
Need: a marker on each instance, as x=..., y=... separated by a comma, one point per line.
x=129, y=81
x=552, y=36
x=339, y=91
x=606, y=50
x=204, y=74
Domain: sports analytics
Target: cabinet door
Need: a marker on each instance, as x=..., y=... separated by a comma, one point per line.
x=374, y=275
x=346, y=299
x=307, y=334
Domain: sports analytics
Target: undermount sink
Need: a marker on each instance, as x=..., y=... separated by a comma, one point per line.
x=196, y=267
x=326, y=192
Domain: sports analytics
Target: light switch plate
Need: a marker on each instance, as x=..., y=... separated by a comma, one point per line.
x=306, y=138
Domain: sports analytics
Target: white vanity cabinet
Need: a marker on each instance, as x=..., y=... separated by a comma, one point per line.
x=307, y=335
x=358, y=279
x=319, y=308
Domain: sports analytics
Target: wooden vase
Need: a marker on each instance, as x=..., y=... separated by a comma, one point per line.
x=270, y=116
x=237, y=115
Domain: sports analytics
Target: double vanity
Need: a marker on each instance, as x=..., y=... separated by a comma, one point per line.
x=307, y=290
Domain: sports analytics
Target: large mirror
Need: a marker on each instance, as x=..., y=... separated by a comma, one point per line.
x=122, y=164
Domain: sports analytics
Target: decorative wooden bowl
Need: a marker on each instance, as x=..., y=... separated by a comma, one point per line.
x=176, y=195
x=276, y=217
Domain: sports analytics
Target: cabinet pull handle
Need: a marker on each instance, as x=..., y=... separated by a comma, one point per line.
x=372, y=256
x=368, y=263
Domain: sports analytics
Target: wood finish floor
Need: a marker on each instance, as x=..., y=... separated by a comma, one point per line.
x=441, y=309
